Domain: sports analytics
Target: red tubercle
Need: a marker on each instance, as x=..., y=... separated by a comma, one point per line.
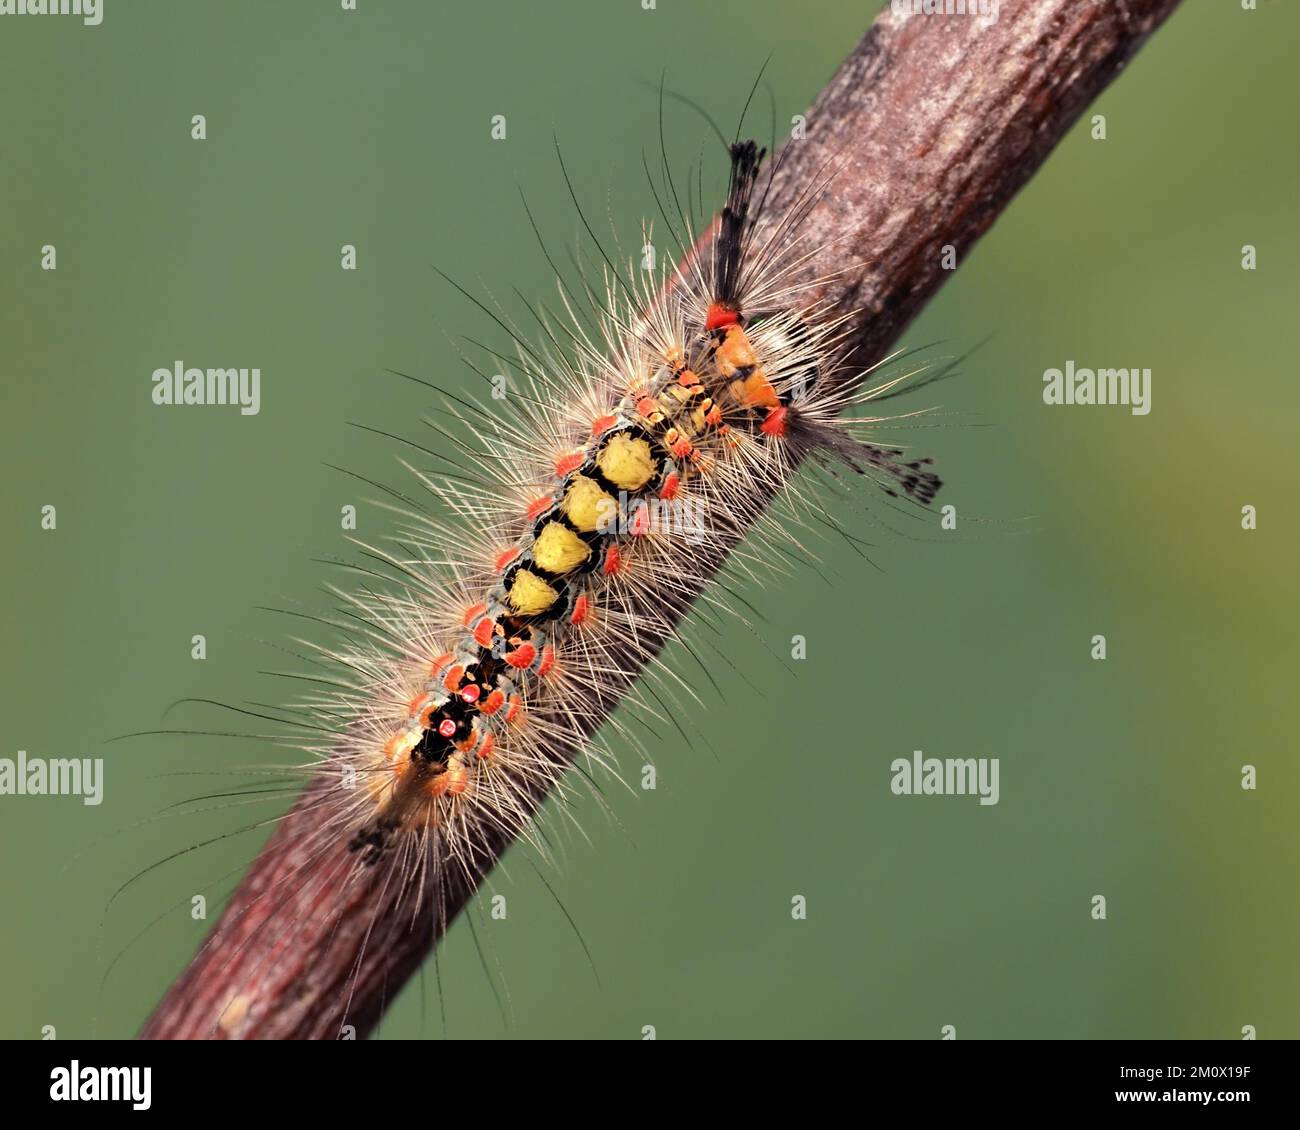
x=672, y=484
x=566, y=464
x=453, y=678
x=613, y=560
x=483, y=631
x=581, y=609
x=435, y=668
x=473, y=612
x=547, y=662
x=640, y=524
x=494, y=701
x=471, y=693
x=504, y=558
x=446, y=727
x=777, y=422
x=522, y=656
x=647, y=406
x=538, y=505
x=484, y=751
x=719, y=315
x=602, y=424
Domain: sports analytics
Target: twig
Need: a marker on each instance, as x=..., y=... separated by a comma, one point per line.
x=933, y=124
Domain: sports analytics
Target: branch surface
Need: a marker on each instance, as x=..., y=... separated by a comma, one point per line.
x=932, y=124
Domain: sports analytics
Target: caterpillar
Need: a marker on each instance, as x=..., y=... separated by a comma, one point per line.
x=590, y=508
x=707, y=400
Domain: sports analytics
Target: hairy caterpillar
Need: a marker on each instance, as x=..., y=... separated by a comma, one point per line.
x=584, y=514
x=711, y=396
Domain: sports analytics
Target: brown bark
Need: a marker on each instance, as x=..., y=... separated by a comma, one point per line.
x=932, y=124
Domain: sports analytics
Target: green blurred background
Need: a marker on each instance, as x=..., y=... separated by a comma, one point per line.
x=1119, y=778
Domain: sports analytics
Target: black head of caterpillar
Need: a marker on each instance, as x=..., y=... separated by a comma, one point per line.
x=714, y=395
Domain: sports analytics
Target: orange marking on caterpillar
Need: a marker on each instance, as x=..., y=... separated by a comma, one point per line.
x=484, y=751
x=473, y=612
x=435, y=668
x=647, y=406
x=679, y=445
x=602, y=424
x=613, y=559
x=515, y=709
x=493, y=702
x=438, y=785
x=453, y=677
x=581, y=609
x=522, y=656
x=720, y=315
x=688, y=379
x=777, y=422
x=457, y=780
x=413, y=707
x=756, y=391
x=505, y=557
x=567, y=463
x=483, y=632
x=538, y=505
x=735, y=357
x=672, y=483
x=734, y=352
x=400, y=744
x=640, y=525
x=548, y=661
x=426, y=715
x=713, y=416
